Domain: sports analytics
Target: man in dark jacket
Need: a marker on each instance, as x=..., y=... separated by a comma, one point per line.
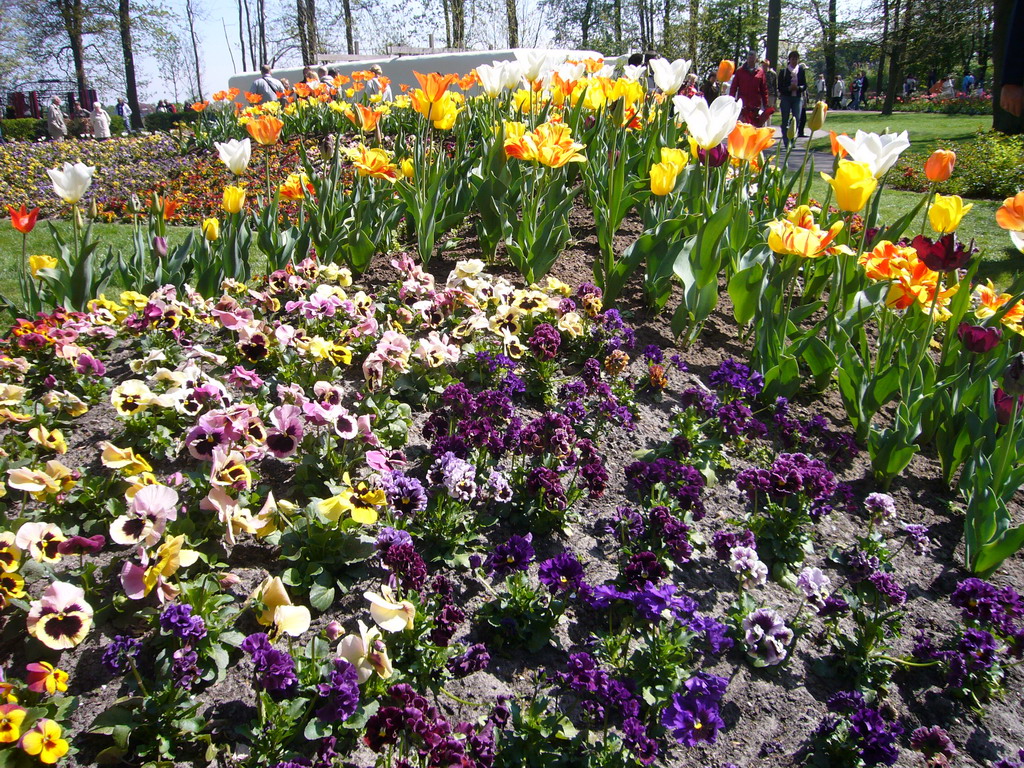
x=792, y=87
x=749, y=84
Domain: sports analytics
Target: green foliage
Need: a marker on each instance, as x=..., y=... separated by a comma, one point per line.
x=990, y=165
x=23, y=129
x=166, y=121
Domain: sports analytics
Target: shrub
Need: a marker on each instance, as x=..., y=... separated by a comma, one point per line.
x=23, y=129
x=990, y=166
x=165, y=121
x=960, y=104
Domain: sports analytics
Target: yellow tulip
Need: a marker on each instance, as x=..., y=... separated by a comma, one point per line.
x=408, y=169
x=663, y=178
x=234, y=199
x=817, y=118
x=211, y=229
x=35, y=263
x=946, y=212
x=853, y=185
x=675, y=156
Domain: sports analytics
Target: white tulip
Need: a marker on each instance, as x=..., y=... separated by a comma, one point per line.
x=570, y=72
x=634, y=72
x=879, y=152
x=492, y=78
x=513, y=73
x=533, y=63
x=72, y=183
x=669, y=76
x=709, y=126
x=235, y=154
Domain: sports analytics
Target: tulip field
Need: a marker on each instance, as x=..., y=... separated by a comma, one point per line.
x=539, y=417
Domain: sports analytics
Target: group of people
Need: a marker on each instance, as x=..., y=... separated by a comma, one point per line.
x=762, y=90
x=96, y=122
x=268, y=87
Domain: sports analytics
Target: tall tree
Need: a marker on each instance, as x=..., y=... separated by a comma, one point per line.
x=512, y=17
x=190, y=14
x=72, y=15
x=896, y=59
x=772, y=41
x=883, y=47
x=124, y=23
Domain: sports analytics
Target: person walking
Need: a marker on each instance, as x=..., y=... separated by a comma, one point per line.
x=378, y=84
x=55, y=124
x=865, y=85
x=749, y=85
x=125, y=113
x=821, y=87
x=855, y=93
x=771, y=79
x=838, y=91
x=709, y=90
x=792, y=87
x=99, y=119
x=967, y=85
x=266, y=86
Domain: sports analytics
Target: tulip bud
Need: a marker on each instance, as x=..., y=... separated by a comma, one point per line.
x=211, y=229
x=78, y=217
x=817, y=118
x=791, y=129
x=939, y=166
x=725, y=70
x=94, y=212
x=135, y=204
x=408, y=168
x=1013, y=376
x=160, y=247
x=334, y=631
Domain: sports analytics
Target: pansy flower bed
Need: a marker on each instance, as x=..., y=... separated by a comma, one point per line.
x=514, y=456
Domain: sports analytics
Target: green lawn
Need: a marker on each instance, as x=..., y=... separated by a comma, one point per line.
x=927, y=131
x=118, y=237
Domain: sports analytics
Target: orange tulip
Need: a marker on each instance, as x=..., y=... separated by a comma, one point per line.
x=374, y=163
x=939, y=166
x=199, y=106
x=296, y=186
x=266, y=130
x=23, y=219
x=887, y=261
x=1011, y=215
x=253, y=98
x=725, y=70
x=434, y=85
x=302, y=90
x=220, y=96
x=746, y=142
x=364, y=118
x=362, y=74
x=233, y=93
x=468, y=81
x=837, y=149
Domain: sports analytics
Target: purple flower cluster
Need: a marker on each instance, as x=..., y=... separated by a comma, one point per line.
x=683, y=483
x=989, y=605
x=766, y=636
x=514, y=555
x=562, y=574
x=475, y=658
x=935, y=746
x=185, y=670
x=341, y=692
x=656, y=529
x=735, y=377
x=869, y=734
x=274, y=669
x=406, y=565
x=918, y=535
x=409, y=718
x=723, y=542
x=692, y=716
x=405, y=494
x=838, y=447
x=177, y=619
x=118, y=654
x=448, y=616
x=789, y=475
x=465, y=421
x=544, y=341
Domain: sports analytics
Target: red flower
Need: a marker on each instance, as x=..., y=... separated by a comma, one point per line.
x=23, y=219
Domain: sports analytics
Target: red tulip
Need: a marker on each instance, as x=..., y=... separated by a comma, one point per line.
x=1006, y=405
x=23, y=220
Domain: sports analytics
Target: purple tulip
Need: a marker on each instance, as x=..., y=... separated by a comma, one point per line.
x=978, y=339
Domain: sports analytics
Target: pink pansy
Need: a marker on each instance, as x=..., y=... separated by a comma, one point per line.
x=284, y=438
x=285, y=335
x=151, y=509
x=243, y=378
x=61, y=618
x=384, y=460
x=363, y=424
x=233, y=319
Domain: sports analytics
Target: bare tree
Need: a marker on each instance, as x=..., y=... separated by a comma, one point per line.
x=190, y=14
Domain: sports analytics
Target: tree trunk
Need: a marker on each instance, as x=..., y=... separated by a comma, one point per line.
x=312, y=33
x=1002, y=120
x=588, y=12
x=446, y=11
x=830, y=43
x=772, y=43
x=618, y=26
x=241, y=34
x=665, y=22
x=513, y=23
x=191, y=14
x=883, y=47
x=896, y=59
x=458, y=23
x=124, y=21
x=71, y=15
x=985, y=46
x=694, y=24
x=261, y=20
x=349, y=28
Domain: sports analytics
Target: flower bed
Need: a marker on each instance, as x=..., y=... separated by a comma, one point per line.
x=517, y=457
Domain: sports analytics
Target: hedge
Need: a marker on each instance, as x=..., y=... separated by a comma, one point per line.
x=30, y=129
x=165, y=121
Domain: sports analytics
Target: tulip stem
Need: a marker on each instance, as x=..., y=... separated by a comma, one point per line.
x=453, y=697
